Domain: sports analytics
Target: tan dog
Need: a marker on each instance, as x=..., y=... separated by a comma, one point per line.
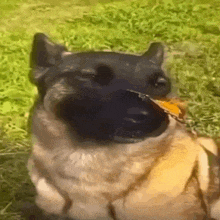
x=94, y=160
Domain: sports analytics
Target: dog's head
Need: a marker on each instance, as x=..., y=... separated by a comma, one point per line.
x=100, y=94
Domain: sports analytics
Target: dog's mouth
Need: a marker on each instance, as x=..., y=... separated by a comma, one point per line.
x=138, y=114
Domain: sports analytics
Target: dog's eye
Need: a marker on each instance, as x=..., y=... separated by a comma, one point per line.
x=161, y=81
x=104, y=75
x=158, y=80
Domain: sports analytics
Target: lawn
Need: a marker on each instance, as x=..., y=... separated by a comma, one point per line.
x=189, y=29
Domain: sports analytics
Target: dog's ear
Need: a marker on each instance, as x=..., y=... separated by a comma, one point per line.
x=44, y=55
x=155, y=53
x=44, y=52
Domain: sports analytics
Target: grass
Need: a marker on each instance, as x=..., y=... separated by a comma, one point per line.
x=190, y=29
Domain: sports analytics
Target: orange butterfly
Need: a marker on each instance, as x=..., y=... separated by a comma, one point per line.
x=174, y=107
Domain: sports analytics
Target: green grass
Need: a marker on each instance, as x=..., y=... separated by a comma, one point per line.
x=190, y=29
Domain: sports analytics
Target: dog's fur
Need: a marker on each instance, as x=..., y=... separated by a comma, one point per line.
x=101, y=152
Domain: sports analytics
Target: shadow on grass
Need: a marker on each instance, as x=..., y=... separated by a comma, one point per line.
x=15, y=185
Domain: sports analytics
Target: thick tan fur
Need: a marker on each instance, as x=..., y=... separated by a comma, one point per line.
x=164, y=177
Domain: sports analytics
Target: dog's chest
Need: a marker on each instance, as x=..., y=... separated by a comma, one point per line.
x=105, y=172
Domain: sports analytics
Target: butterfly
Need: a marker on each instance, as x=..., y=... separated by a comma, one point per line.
x=173, y=107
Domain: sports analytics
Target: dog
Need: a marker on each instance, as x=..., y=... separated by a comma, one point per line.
x=105, y=146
